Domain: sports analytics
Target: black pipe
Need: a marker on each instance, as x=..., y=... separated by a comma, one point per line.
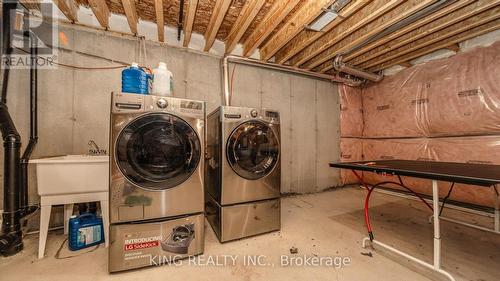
x=11, y=239
x=23, y=193
x=181, y=18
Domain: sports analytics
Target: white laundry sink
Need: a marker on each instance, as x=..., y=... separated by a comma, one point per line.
x=71, y=174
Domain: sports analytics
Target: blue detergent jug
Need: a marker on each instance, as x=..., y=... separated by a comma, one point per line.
x=136, y=80
x=85, y=230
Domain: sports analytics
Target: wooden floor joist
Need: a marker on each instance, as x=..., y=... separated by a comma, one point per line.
x=471, y=33
x=307, y=37
x=247, y=15
x=304, y=16
x=368, y=13
x=323, y=61
x=218, y=14
x=276, y=14
x=407, y=36
x=68, y=8
x=101, y=12
x=189, y=21
x=160, y=21
x=444, y=38
x=131, y=14
x=434, y=16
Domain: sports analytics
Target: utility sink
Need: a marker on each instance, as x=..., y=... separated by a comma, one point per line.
x=71, y=174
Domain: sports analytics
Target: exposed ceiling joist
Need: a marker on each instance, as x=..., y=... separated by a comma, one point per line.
x=424, y=50
x=189, y=21
x=101, y=12
x=370, y=12
x=407, y=36
x=218, y=14
x=160, y=21
x=434, y=16
x=442, y=35
x=305, y=15
x=322, y=61
x=247, y=15
x=406, y=64
x=277, y=13
x=307, y=37
x=68, y=8
x=131, y=13
x=454, y=48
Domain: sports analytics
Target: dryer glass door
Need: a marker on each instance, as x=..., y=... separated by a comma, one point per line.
x=158, y=151
x=253, y=149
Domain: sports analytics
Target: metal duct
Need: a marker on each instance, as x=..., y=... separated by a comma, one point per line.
x=278, y=67
x=340, y=66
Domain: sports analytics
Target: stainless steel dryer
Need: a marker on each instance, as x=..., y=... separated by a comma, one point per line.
x=156, y=178
x=243, y=172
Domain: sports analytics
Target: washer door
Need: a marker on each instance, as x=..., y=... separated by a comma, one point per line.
x=158, y=151
x=253, y=150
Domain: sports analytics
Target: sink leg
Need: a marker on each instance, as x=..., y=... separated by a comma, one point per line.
x=44, y=228
x=105, y=220
x=68, y=212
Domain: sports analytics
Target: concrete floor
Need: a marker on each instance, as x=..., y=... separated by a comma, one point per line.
x=328, y=224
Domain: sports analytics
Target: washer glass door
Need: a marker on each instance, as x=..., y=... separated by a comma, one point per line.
x=253, y=149
x=158, y=151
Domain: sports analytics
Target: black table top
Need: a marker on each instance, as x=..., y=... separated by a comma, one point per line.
x=476, y=174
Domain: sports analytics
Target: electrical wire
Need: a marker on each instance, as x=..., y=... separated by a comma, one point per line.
x=446, y=198
x=370, y=190
x=80, y=67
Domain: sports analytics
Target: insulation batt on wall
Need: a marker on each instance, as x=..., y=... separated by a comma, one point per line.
x=444, y=110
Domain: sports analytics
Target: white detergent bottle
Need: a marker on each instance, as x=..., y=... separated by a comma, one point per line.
x=163, y=81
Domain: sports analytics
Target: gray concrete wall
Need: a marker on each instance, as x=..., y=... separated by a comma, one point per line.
x=74, y=104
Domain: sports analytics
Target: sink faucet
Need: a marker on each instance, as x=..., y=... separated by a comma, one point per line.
x=94, y=149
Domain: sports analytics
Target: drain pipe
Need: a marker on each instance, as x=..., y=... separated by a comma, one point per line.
x=340, y=66
x=23, y=193
x=274, y=66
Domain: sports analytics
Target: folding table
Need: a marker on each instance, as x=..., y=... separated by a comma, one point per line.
x=477, y=175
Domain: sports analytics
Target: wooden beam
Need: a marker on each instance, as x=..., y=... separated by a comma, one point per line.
x=302, y=17
x=406, y=64
x=471, y=33
x=218, y=14
x=307, y=37
x=403, y=31
x=406, y=36
x=454, y=48
x=276, y=14
x=370, y=12
x=409, y=7
x=248, y=13
x=131, y=13
x=462, y=26
x=101, y=12
x=69, y=8
x=160, y=21
x=189, y=21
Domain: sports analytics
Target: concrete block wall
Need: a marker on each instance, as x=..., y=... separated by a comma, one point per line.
x=74, y=103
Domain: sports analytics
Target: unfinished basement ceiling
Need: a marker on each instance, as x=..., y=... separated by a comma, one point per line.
x=368, y=33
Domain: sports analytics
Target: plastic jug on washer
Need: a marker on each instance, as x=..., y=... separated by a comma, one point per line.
x=162, y=81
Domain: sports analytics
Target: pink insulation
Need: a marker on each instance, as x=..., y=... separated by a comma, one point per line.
x=351, y=112
x=351, y=150
x=443, y=110
x=449, y=97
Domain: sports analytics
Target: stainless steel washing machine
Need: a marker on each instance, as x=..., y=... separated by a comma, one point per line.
x=243, y=172
x=156, y=178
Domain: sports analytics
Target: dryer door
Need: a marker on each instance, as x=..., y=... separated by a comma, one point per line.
x=158, y=151
x=253, y=149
